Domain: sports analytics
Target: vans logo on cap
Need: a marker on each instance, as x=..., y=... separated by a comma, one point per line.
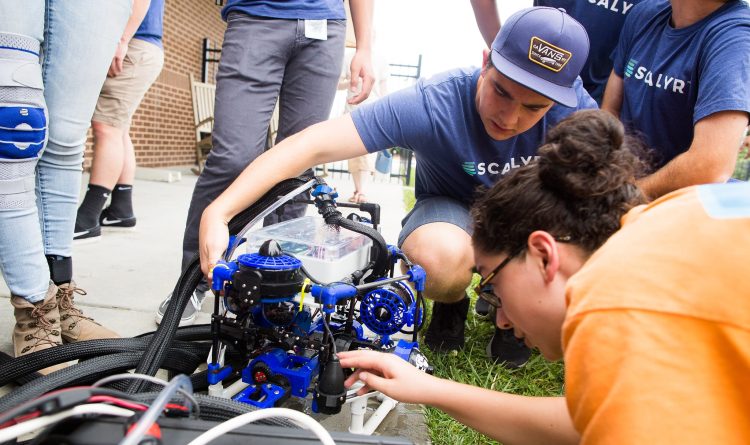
x=548, y=55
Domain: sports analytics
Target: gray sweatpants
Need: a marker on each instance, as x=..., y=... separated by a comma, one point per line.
x=263, y=59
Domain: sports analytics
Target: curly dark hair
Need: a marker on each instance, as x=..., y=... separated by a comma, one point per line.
x=581, y=185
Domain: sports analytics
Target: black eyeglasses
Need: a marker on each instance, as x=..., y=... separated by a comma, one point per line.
x=485, y=293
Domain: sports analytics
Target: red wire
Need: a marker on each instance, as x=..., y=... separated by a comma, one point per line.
x=21, y=418
x=93, y=399
x=175, y=406
x=118, y=402
x=27, y=416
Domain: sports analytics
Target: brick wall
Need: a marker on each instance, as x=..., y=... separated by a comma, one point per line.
x=162, y=128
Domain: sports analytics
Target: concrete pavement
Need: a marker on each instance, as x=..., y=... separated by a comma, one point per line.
x=128, y=273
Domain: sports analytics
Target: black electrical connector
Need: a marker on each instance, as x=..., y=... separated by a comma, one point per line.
x=331, y=393
x=64, y=400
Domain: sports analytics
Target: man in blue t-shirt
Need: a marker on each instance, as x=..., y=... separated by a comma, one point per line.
x=602, y=19
x=681, y=78
x=468, y=128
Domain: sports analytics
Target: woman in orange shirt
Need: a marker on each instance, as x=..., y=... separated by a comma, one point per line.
x=654, y=324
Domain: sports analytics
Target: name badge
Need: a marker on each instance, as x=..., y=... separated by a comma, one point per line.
x=316, y=29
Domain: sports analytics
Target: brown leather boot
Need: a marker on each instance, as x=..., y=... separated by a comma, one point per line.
x=75, y=325
x=37, y=326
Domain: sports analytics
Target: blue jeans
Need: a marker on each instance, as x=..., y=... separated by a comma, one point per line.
x=78, y=42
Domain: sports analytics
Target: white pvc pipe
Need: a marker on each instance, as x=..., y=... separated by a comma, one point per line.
x=377, y=417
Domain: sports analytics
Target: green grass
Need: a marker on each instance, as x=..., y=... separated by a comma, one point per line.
x=538, y=378
x=742, y=168
x=409, y=198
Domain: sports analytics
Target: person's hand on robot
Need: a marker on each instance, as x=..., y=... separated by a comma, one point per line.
x=387, y=373
x=213, y=239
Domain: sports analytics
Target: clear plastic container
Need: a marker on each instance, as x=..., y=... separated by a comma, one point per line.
x=328, y=253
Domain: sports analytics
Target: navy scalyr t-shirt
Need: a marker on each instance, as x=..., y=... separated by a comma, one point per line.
x=438, y=120
x=673, y=78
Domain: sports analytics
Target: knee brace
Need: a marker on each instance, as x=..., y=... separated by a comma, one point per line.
x=23, y=118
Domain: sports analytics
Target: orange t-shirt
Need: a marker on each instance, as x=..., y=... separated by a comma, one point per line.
x=657, y=333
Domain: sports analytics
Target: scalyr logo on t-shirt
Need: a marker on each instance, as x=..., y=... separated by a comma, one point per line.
x=613, y=5
x=548, y=55
x=657, y=80
x=495, y=168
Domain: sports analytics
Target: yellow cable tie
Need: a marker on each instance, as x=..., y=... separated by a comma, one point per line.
x=305, y=283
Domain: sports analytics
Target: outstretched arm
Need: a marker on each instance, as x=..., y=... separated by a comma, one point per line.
x=488, y=20
x=508, y=418
x=361, y=66
x=710, y=158
x=328, y=141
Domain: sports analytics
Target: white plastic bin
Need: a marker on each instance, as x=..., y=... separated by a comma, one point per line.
x=328, y=253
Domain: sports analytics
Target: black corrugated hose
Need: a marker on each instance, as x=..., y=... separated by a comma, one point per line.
x=380, y=256
x=91, y=370
x=86, y=350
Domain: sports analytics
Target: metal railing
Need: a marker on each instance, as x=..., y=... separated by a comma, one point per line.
x=401, y=168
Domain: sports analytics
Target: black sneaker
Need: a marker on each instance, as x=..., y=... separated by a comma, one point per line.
x=109, y=220
x=446, y=330
x=506, y=349
x=188, y=315
x=86, y=235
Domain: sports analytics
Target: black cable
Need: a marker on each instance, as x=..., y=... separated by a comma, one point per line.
x=5, y=359
x=420, y=315
x=380, y=248
x=16, y=368
x=308, y=275
x=69, y=395
x=94, y=369
x=195, y=332
x=330, y=334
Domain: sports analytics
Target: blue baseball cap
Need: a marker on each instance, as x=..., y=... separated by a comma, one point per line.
x=543, y=49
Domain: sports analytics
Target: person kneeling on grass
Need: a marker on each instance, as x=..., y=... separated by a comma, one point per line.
x=653, y=323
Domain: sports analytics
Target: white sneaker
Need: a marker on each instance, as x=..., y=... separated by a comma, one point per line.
x=188, y=315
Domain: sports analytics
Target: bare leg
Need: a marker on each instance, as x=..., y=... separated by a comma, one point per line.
x=107, y=164
x=444, y=251
x=128, y=165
